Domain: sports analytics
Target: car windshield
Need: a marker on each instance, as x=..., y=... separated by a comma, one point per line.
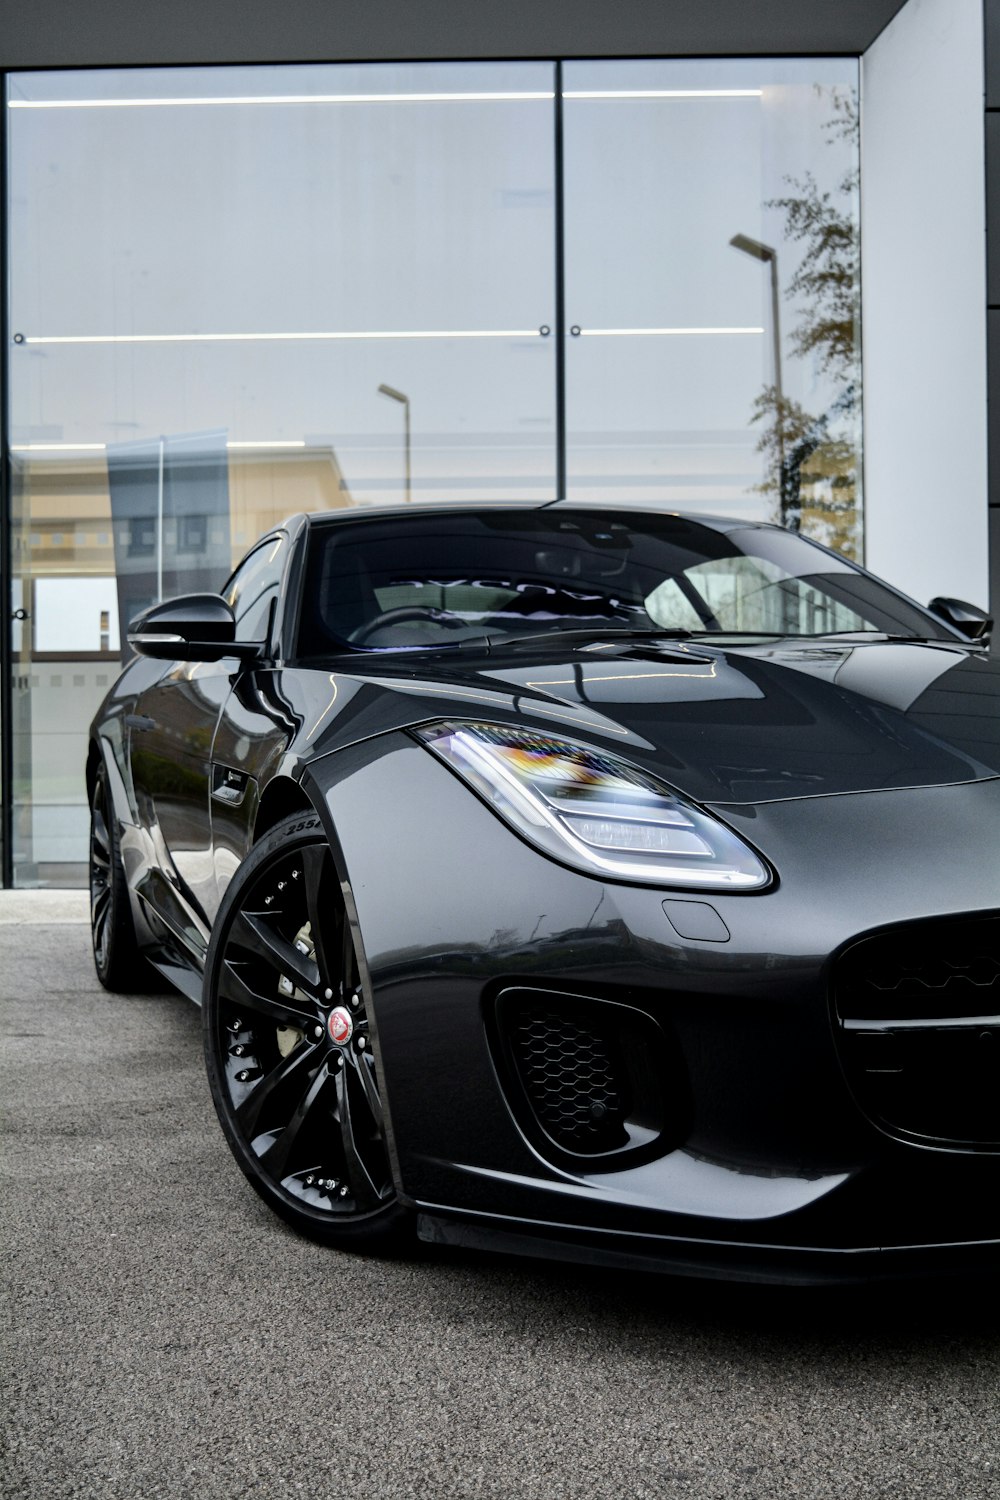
x=433, y=580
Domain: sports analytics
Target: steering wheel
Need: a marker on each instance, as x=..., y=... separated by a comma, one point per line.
x=405, y=613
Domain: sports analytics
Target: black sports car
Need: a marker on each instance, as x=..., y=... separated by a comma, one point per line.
x=589, y=882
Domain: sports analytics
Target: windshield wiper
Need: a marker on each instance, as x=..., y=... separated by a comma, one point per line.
x=596, y=632
x=879, y=636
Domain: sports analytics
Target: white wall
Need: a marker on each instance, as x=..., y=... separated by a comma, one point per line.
x=924, y=300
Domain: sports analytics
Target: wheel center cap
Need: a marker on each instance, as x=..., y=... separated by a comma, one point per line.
x=340, y=1026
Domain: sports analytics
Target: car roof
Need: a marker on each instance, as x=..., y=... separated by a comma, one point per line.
x=621, y=507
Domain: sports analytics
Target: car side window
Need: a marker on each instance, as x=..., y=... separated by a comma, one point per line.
x=254, y=587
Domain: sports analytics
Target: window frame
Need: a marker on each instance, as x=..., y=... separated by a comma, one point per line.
x=281, y=538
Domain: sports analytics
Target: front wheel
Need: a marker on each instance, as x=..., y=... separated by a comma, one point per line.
x=289, y=1048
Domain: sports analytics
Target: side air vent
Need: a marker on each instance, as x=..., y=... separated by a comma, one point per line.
x=588, y=1077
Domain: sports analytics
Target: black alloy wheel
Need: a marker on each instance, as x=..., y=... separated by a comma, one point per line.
x=289, y=1048
x=119, y=964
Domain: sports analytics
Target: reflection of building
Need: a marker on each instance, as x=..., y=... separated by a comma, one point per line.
x=253, y=250
x=67, y=652
x=70, y=517
x=170, y=518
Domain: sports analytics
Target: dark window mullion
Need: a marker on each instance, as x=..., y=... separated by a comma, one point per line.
x=6, y=636
x=560, y=328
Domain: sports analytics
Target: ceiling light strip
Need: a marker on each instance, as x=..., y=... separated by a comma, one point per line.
x=486, y=96
x=224, y=99
x=663, y=93
x=442, y=333
x=244, y=338
x=609, y=333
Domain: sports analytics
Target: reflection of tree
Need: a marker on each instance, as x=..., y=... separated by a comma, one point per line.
x=816, y=486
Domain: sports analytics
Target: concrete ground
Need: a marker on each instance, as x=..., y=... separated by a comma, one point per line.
x=164, y=1336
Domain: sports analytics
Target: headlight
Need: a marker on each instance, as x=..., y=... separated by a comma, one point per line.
x=592, y=810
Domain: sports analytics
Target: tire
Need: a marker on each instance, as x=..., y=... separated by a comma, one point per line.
x=288, y=1047
x=119, y=964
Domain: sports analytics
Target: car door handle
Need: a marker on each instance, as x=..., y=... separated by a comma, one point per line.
x=139, y=721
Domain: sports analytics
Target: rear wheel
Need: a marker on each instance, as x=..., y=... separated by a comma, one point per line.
x=289, y=1048
x=119, y=964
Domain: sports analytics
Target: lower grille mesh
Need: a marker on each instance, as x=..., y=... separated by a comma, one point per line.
x=589, y=1079
x=571, y=1080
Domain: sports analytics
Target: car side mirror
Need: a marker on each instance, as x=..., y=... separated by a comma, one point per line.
x=968, y=619
x=192, y=627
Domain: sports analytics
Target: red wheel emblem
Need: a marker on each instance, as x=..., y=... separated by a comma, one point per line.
x=340, y=1026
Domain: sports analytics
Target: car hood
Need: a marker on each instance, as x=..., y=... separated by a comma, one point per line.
x=722, y=724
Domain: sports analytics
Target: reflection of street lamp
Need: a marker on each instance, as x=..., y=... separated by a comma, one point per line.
x=404, y=401
x=769, y=255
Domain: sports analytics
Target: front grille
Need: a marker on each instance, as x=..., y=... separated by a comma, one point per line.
x=930, y=970
x=589, y=1078
x=572, y=1081
x=918, y=1013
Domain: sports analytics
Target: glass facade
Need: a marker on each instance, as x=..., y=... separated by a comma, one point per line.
x=712, y=272
x=236, y=293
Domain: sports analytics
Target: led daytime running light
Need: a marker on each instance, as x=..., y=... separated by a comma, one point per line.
x=595, y=811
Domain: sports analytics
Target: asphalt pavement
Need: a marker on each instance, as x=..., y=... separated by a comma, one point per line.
x=164, y=1336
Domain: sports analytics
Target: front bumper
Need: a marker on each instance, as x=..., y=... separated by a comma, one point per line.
x=715, y=1260
x=777, y=1164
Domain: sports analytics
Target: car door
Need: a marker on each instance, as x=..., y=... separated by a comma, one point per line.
x=172, y=732
x=254, y=726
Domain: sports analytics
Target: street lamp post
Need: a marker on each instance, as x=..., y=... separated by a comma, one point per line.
x=769, y=256
x=404, y=401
